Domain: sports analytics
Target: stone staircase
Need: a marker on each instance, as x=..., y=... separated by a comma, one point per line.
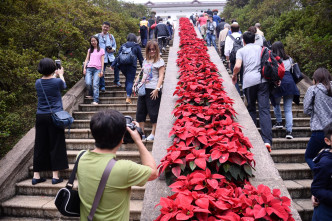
x=37, y=202
x=288, y=156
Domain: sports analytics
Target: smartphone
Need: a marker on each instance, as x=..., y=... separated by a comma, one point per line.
x=58, y=64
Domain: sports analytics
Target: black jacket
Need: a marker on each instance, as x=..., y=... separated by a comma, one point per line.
x=161, y=30
x=136, y=49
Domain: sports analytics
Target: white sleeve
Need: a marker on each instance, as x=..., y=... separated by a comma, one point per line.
x=228, y=46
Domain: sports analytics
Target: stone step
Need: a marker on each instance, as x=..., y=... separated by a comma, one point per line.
x=81, y=115
x=85, y=133
x=288, y=155
x=296, y=132
x=120, y=155
x=299, y=189
x=291, y=171
x=298, y=113
x=295, y=143
x=111, y=100
x=100, y=107
x=114, y=92
x=48, y=189
x=305, y=208
x=85, y=124
x=297, y=121
x=43, y=207
x=85, y=144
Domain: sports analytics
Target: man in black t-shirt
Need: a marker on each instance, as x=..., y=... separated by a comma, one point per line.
x=151, y=21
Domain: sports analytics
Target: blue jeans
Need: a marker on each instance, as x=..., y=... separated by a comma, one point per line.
x=211, y=38
x=151, y=32
x=116, y=77
x=239, y=79
x=315, y=144
x=92, y=73
x=144, y=37
x=288, y=100
x=129, y=72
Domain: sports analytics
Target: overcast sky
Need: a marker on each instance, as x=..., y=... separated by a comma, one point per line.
x=144, y=1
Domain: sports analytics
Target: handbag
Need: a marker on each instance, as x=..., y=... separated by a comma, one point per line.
x=140, y=87
x=296, y=73
x=61, y=119
x=67, y=200
x=154, y=25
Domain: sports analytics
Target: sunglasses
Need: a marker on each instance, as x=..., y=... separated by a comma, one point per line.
x=152, y=49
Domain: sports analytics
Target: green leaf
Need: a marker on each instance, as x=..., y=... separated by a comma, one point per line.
x=183, y=167
x=226, y=167
x=247, y=169
x=235, y=171
x=192, y=165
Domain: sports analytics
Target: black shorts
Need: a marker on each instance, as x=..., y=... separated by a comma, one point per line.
x=145, y=105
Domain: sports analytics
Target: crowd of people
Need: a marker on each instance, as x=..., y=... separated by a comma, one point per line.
x=109, y=127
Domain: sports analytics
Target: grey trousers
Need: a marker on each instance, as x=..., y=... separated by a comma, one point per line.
x=260, y=93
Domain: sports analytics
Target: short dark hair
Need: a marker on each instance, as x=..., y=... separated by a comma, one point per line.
x=46, y=66
x=215, y=13
x=249, y=37
x=252, y=29
x=132, y=37
x=108, y=128
x=223, y=19
x=235, y=28
x=106, y=23
x=160, y=19
x=328, y=131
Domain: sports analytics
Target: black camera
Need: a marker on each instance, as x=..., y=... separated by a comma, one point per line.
x=109, y=48
x=58, y=64
x=127, y=137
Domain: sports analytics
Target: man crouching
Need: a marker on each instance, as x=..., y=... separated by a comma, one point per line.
x=108, y=129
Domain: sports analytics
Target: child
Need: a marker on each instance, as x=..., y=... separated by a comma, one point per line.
x=93, y=68
x=321, y=186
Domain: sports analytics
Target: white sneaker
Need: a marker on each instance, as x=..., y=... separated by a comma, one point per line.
x=143, y=138
x=94, y=103
x=150, y=137
x=163, y=50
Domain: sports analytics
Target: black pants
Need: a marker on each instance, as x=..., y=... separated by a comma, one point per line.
x=161, y=43
x=260, y=93
x=145, y=105
x=50, y=147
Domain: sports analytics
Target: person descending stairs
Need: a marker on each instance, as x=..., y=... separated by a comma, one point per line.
x=36, y=202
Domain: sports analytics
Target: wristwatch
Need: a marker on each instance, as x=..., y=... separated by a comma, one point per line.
x=158, y=88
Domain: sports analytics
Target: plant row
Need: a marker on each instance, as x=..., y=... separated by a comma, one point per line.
x=209, y=164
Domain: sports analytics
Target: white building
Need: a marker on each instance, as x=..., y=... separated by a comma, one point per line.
x=183, y=9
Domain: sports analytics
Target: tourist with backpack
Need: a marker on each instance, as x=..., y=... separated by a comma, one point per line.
x=211, y=32
x=93, y=69
x=255, y=87
x=233, y=43
x=222, y=38
x=143, y=29
x=161, y=33
x=126, y=60
x=287, y=90
x=317, y=103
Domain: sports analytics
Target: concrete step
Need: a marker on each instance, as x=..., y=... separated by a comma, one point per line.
x=305, y=208
x=85, y=124
x=48, y=189
x=296, y=113
x=85, y=144
x=111, y=100
x=297, y=121
x=299, y=189
x=296, y=143
x=291, y=171
x=297, y=132
x=114, y=92
x=43, y=207
x=100, y=107
x=288, y=155
x=86, y=115
x=85, y=133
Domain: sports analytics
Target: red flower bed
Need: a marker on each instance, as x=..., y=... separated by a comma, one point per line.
x=209, y=163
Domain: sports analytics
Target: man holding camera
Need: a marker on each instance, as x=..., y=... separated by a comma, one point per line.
x=108, y=43
x=211, y=32
x=109, y=128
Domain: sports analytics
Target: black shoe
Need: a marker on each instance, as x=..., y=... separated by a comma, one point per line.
x=103, y=90
x=278, y=125
x=56, y=181
x=35, y=181
x=289, y=135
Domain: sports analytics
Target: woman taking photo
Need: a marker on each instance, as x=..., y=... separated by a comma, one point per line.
x=287, y=90
x=317, y=104
x=50, y=147
x=93, y=68
x=153, y=75
x=129, y=70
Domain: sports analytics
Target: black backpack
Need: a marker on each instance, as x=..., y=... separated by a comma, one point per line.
x=237, y=44
x=126, y=56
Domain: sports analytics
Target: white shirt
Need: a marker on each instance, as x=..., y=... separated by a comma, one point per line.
x=229, y=43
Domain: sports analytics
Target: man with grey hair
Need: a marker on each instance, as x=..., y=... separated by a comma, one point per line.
x=222, y=38
x=258, y=27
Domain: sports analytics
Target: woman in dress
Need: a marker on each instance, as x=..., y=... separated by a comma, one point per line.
x=153, y=76
x=287, y=90
x=317, y=103
x=50, y=147
x=93, y=68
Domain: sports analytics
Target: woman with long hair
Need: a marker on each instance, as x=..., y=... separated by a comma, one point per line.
x=317, y=104
x=93, y=68
x=129, y=70
x=50, y=147
x=153, y=76
x=287, y=90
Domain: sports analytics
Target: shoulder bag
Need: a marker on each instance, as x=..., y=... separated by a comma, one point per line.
x=61, y=119
x=67, y=200
x=140, y=87
x=296, y=72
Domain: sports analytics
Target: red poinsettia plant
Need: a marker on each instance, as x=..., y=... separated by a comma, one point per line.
x=209, y=163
